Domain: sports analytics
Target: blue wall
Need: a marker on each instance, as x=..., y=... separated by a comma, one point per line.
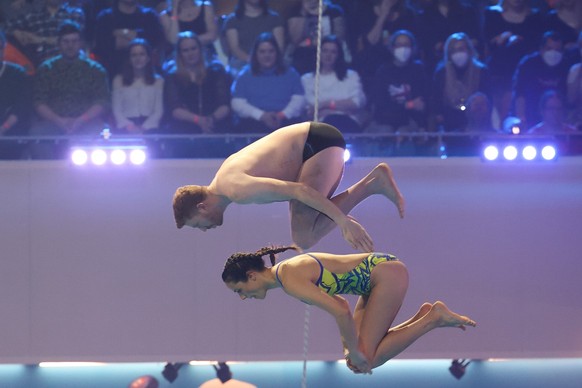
x=532, y=373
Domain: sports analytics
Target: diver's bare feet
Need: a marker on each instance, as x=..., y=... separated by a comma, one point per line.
x=446, y=318
x=381, y=181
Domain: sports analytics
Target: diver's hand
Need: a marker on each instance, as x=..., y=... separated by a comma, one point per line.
x=356, y=235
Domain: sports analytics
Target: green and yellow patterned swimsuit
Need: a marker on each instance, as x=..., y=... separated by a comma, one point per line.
x=356, y=281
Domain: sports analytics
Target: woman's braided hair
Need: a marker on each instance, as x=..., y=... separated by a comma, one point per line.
x=237, y=265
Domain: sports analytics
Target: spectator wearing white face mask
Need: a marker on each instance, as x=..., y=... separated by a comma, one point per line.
x=457, y=77
x=400, y=88
x=536, y=73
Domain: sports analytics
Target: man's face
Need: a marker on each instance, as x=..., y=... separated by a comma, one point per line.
x=70, y=45
x=205, y=218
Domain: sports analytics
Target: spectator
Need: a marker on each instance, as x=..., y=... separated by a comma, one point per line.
x=249, y=20
x=14, y=104
x=267, y=94
x=196, y=95
x=36, y=32
x=401, y=87
x=459, y=75
x=341, y=97
x=437, y=20
x=191, y=15
x=70, y=94
x=302, y=27
x=512, y=29
x=553, y=118
x=388, y=16
x=543, y=70
x=137, y=98
x=574, y=86
x=565, y=19
x=117, y=26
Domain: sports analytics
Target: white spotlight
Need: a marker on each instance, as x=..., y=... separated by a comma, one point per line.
x=510, y=152
x=548, y=152
x=98, y=157
x=118, y=157
x=529, y=152
x=79, y=157
x=347, y=155
x=491, y=152
x=137, y=156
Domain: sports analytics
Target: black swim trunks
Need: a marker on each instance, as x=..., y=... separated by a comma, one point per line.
x=320, y=137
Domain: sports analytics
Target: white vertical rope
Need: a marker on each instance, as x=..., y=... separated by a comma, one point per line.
x=315, y=118
x=305, y=346
x=317, y=62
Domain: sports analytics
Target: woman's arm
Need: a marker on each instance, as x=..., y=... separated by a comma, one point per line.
x=301, y=288
x=211, y=25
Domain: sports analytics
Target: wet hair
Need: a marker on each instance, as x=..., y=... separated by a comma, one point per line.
x=340, y=66
x=237, y=266
x=268, y=37
x=184, y=202
x=127, y=73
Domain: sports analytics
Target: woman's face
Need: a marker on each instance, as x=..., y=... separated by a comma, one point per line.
x=138, y=57
x=329, y=54
x=249, y=289
x=266, y=55
x=190, y=52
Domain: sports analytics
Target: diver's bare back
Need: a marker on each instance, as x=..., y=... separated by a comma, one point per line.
x=278, y=155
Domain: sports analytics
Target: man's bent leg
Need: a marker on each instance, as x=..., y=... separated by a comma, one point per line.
x=308, y=225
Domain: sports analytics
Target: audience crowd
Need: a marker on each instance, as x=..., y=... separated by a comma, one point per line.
x=248, y=66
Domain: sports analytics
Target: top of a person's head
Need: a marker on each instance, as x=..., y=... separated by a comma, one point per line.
x=551, y=98
x=266, y=37
x=554, y=36
x=238, y=265
x=240, y=9
x=398, y=34
x=68, y=27
x=184, y=202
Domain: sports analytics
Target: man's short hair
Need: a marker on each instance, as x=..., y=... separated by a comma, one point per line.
x=68, y=27
x=185, y=200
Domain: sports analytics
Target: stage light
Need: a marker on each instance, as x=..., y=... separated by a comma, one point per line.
x=529, y=152
x=79, y=157
x=118, y=157
x=170, y=371
x=137, y=156
x=458, y=368
x=223, y=372
x=510, y=152
x=98, y=157
x=347, y=155
x=491, y=152
x=548, y=152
